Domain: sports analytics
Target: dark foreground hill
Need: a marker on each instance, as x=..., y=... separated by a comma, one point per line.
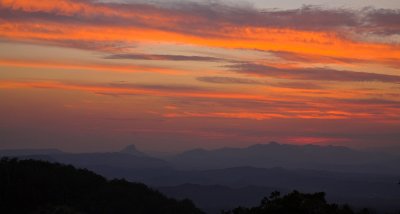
x=31, y=186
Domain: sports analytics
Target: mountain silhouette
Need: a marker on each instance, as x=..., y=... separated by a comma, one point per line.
x=347, y=175
x=132, y=150
x=334, y=158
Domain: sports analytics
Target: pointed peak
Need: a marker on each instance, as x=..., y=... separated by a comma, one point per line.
x=130, y=147
x=132, y=150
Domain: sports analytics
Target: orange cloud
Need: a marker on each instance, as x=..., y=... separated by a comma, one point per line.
x=128, y=90
x=87, y=66
x=139, y=22
x=316, y=43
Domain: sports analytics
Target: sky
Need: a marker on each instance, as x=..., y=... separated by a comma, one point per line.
x=81, y=75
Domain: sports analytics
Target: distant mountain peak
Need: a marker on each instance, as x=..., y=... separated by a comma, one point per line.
x=132, y=150
x=274, y=143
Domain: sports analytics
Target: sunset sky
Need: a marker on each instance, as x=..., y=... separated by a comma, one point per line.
x=81, y=75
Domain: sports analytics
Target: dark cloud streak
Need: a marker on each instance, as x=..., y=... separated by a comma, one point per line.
x=296, y=57
x=323, y=74
x=245, y=81
x=164, y=57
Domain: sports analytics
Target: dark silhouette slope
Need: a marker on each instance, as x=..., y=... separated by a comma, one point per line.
x=31, y=186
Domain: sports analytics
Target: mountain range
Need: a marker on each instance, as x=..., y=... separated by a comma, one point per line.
x=332, y=158
x=242, y=175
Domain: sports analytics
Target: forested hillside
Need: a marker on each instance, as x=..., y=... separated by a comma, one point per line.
x=31, y=186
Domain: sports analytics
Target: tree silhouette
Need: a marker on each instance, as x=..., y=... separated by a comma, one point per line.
x=296, y=203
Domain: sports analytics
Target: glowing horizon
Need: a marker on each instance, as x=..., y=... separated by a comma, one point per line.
x=83, y=74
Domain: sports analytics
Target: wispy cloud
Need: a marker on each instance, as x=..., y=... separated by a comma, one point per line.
x=229, y=80
x=308, y=30
x=159, y=87
x=188, y=99
x=133, y=89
